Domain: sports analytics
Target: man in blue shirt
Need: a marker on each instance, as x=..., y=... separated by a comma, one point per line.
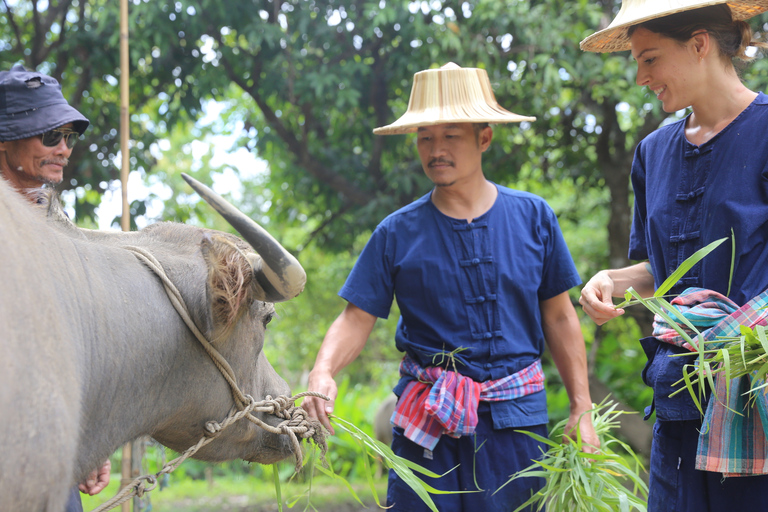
x=481, y=275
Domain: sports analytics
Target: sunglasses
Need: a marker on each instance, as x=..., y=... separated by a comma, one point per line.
x=52, y=138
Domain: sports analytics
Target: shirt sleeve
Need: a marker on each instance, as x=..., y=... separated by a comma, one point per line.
x=559, y=272
x=370, y=285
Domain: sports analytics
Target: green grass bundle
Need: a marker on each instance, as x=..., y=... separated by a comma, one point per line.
x=736, y=356
x=581, y=482
x=370, y=450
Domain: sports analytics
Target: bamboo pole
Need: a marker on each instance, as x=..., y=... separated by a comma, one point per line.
x=124, y=128
x=125, y=470
x=125, y=221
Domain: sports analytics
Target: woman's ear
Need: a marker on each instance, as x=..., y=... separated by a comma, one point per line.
x=701, y=44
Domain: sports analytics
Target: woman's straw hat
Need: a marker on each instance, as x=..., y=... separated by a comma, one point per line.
x=632, y=12
x=450, y=94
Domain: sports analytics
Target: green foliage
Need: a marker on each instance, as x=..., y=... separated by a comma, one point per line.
x=299, y=85
x=357, y=404
x=404, y=468
x=232, y=492
x=304, y=83
x=579, y=482
x=730, y=357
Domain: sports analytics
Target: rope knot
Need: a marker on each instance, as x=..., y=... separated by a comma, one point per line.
x=212, y=428
x=141, y=487
x=278, y=405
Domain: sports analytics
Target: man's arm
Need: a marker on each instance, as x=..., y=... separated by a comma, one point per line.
x=566, y=344
x=342, y=344
x=596, y=295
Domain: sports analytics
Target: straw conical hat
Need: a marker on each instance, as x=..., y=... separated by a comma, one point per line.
x=632, y=12
x=450, y=94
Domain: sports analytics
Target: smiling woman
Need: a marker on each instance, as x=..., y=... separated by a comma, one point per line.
x=695, y=181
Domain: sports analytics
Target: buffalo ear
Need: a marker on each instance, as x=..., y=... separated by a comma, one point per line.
x=230, y=276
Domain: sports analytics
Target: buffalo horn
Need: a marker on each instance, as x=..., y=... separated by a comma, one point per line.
x=281, y=275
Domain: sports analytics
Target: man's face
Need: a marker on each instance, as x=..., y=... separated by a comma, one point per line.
x=27, y=163
x=452, y=152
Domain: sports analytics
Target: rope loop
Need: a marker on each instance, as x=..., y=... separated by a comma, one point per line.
x=141, y=487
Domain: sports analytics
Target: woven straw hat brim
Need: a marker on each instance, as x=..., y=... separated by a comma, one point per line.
x=614, y=38
x=411, y=124
x=450, y=95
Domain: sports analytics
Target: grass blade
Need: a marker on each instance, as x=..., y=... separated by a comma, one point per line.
x=685, y=266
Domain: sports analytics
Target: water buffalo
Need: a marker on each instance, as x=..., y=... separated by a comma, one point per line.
x=94, y=354
x=382, y=428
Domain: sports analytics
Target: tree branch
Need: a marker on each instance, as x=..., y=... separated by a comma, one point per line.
x=297, y=147
x=18, y=47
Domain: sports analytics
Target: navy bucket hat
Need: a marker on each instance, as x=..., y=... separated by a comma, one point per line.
x=31, y=103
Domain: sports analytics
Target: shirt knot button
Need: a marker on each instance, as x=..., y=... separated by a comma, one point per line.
x=481, y=299
x=487, y=336
x=696, y=151
x=476, y=261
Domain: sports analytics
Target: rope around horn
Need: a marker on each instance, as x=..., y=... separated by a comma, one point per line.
x=296, y=422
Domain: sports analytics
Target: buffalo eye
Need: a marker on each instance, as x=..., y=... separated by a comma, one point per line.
x=268, y=318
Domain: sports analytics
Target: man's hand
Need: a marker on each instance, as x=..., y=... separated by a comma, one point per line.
x=589, y=441
x=97, y=480
x=318, y=408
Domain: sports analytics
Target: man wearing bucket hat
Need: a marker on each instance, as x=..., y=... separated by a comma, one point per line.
x=696, y=181
x=38, y=129
x=481, y=275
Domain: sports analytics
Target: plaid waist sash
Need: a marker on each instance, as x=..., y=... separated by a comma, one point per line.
x=733, y=435
x=441, y=401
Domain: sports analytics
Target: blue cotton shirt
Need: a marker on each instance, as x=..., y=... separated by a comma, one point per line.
x=475, y=286
x=688, y=196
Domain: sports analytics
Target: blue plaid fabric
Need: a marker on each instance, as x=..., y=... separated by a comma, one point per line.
x=733, y=435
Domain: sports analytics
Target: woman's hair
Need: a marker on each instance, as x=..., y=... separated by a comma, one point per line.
x=733, y=37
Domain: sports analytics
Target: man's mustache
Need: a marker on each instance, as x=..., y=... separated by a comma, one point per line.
x=439, y=161
x=55, y=161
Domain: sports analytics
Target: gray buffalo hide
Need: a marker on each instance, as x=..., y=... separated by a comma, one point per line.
x=94, y=355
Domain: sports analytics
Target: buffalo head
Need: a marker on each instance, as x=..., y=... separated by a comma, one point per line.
x=242, y=284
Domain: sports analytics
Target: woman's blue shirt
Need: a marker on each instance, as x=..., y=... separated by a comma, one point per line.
x=687, y=196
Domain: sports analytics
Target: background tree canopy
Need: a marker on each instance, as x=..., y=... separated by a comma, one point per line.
x=302, y=83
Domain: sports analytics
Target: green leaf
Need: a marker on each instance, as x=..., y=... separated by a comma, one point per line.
x=685, y=266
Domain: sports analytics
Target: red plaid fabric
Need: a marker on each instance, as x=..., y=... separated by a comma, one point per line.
x=441, y=401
